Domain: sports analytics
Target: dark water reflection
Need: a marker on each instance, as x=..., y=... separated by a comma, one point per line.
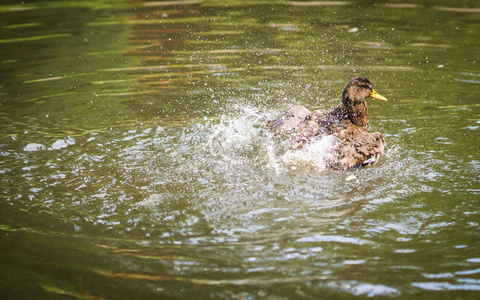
x=134, y=162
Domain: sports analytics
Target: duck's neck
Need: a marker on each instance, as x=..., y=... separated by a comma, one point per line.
x=357, y=113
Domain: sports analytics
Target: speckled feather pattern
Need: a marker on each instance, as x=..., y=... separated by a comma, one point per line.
x=348, y=123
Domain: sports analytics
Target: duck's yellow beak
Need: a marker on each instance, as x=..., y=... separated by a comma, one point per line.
x=374, y=95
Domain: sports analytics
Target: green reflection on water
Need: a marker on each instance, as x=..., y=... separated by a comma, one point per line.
x=33, y=38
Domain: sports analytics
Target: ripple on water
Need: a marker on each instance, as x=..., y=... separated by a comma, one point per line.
x=365, y=289
x=227, y=186
x=447, y=286
x=236, y=177
x=227, y=176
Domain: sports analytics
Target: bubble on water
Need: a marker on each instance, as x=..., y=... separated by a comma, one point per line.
x=60, y=144
x=152, y=200
x=351, y=178
x=34, y=147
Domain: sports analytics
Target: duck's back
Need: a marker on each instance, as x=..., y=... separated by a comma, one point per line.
x=293, y=116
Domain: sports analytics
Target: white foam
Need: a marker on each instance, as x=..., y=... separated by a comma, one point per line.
x=312, y=155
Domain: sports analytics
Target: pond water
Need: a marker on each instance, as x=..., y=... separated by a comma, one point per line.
x=135, y=162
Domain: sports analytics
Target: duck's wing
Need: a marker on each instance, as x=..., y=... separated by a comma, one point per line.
x=362, y=149
x=288, y=123
x=370, y=146
x=311, y=126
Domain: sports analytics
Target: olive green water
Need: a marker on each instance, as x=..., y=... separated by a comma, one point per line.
x=134, y=164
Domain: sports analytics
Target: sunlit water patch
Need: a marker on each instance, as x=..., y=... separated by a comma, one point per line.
x=234, y=177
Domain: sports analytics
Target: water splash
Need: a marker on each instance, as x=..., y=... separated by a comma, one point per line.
x=247, y=136
x=314, y=155
x=232, y=174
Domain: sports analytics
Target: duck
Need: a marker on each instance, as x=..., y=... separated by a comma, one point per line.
x=347, y=123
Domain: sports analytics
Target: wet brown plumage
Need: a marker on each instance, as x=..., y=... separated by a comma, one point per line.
x=348, y=123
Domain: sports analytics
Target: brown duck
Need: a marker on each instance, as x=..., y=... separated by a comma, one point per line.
x=347, y=123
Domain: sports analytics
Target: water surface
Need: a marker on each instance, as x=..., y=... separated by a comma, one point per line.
x=136, y=162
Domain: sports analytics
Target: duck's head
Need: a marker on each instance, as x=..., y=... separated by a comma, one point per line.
x=357, y=90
